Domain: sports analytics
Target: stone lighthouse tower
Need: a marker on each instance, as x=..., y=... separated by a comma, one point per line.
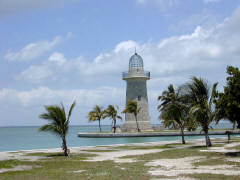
x=136, y=79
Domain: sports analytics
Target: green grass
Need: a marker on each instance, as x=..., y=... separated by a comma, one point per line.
x=8, y=163
x=61, y=168
x=234, y=148
x=175, y=153
x=212, y=177
x=58, y=167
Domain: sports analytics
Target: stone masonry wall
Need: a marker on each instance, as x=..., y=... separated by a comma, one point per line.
x=137, y=90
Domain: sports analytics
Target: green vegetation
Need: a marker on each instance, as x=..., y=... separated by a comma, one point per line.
x=201, y=98
x=132, y=107
x=189, y=106
x=174, y=110
x=228, y=103
x=55, y=166
x=8, y=163
x=112, y=113
x=96, y=115
x=213, y=177
x=58, y=122
x=197, y=104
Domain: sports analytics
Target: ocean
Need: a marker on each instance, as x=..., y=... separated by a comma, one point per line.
x=26, y=138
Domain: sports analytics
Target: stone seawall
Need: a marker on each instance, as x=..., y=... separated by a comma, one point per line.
x=152, y=134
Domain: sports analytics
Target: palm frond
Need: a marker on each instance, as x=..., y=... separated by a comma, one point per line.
x=70, y=110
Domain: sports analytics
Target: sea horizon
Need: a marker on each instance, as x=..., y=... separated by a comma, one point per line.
x=17, y=138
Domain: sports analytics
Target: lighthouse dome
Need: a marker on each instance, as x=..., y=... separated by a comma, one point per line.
x=135, y=61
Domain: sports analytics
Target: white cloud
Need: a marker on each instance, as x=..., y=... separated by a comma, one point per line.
x=36, y=74
x=45, y=95
x=33, y=101
x=33, y=50
x=205, y=52
x=58, y=58
x=201, y=51
x=210, y=1
x=125, y=46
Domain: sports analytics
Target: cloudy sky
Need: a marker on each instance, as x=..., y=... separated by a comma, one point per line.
x=54, y=51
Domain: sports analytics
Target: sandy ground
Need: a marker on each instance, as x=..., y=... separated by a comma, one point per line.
x=116, y=156
x=176, y=167
x=224, y=149
x=21, y=155
x=171, y=168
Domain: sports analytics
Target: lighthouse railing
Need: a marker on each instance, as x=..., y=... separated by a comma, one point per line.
x=126, y=74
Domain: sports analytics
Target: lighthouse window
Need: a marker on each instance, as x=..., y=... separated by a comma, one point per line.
x=139, y=98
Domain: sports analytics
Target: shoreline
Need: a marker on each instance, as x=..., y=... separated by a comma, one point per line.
x=111, y=145
x=155, y=134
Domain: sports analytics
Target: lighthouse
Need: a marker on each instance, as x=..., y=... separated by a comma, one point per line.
x=136, y=80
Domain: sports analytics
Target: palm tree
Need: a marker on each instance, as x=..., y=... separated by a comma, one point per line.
x=96, y=115
x=112, y=112
x=173, y=109
x=166, y=96
x=132, y=107
x=202, y=107
x=58, y=122
x=170, y=124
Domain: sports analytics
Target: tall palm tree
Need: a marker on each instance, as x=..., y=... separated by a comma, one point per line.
x=173, y=109
x=132, y=107
x=201, y=97
x=58, y=122
x=112, y=113
x=96, y=115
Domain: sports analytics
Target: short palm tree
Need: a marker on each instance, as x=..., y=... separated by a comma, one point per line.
x=132, y=107
x=96, y=115
x=173, y=109
x=170, y=124
x=167, y=96
x=58, y=122
x=202, y=108
x=112, y=113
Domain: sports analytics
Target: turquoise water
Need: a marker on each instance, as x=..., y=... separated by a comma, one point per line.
x=25, y=138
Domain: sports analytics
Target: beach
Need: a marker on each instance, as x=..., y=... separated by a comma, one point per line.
x=148, y=160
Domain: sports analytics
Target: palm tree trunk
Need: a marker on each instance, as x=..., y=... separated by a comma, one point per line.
x=64, y=143
x=114, y=125
x=182, y=133
x=137, y=124
x=234, y=125
x=99, y=125
x=208, y=141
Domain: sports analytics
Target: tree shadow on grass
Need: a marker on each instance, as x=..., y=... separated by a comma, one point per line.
x=197, y=147
x=232, y=154
x=55, y=155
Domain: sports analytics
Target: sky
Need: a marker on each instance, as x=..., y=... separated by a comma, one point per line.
x=58, y=51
